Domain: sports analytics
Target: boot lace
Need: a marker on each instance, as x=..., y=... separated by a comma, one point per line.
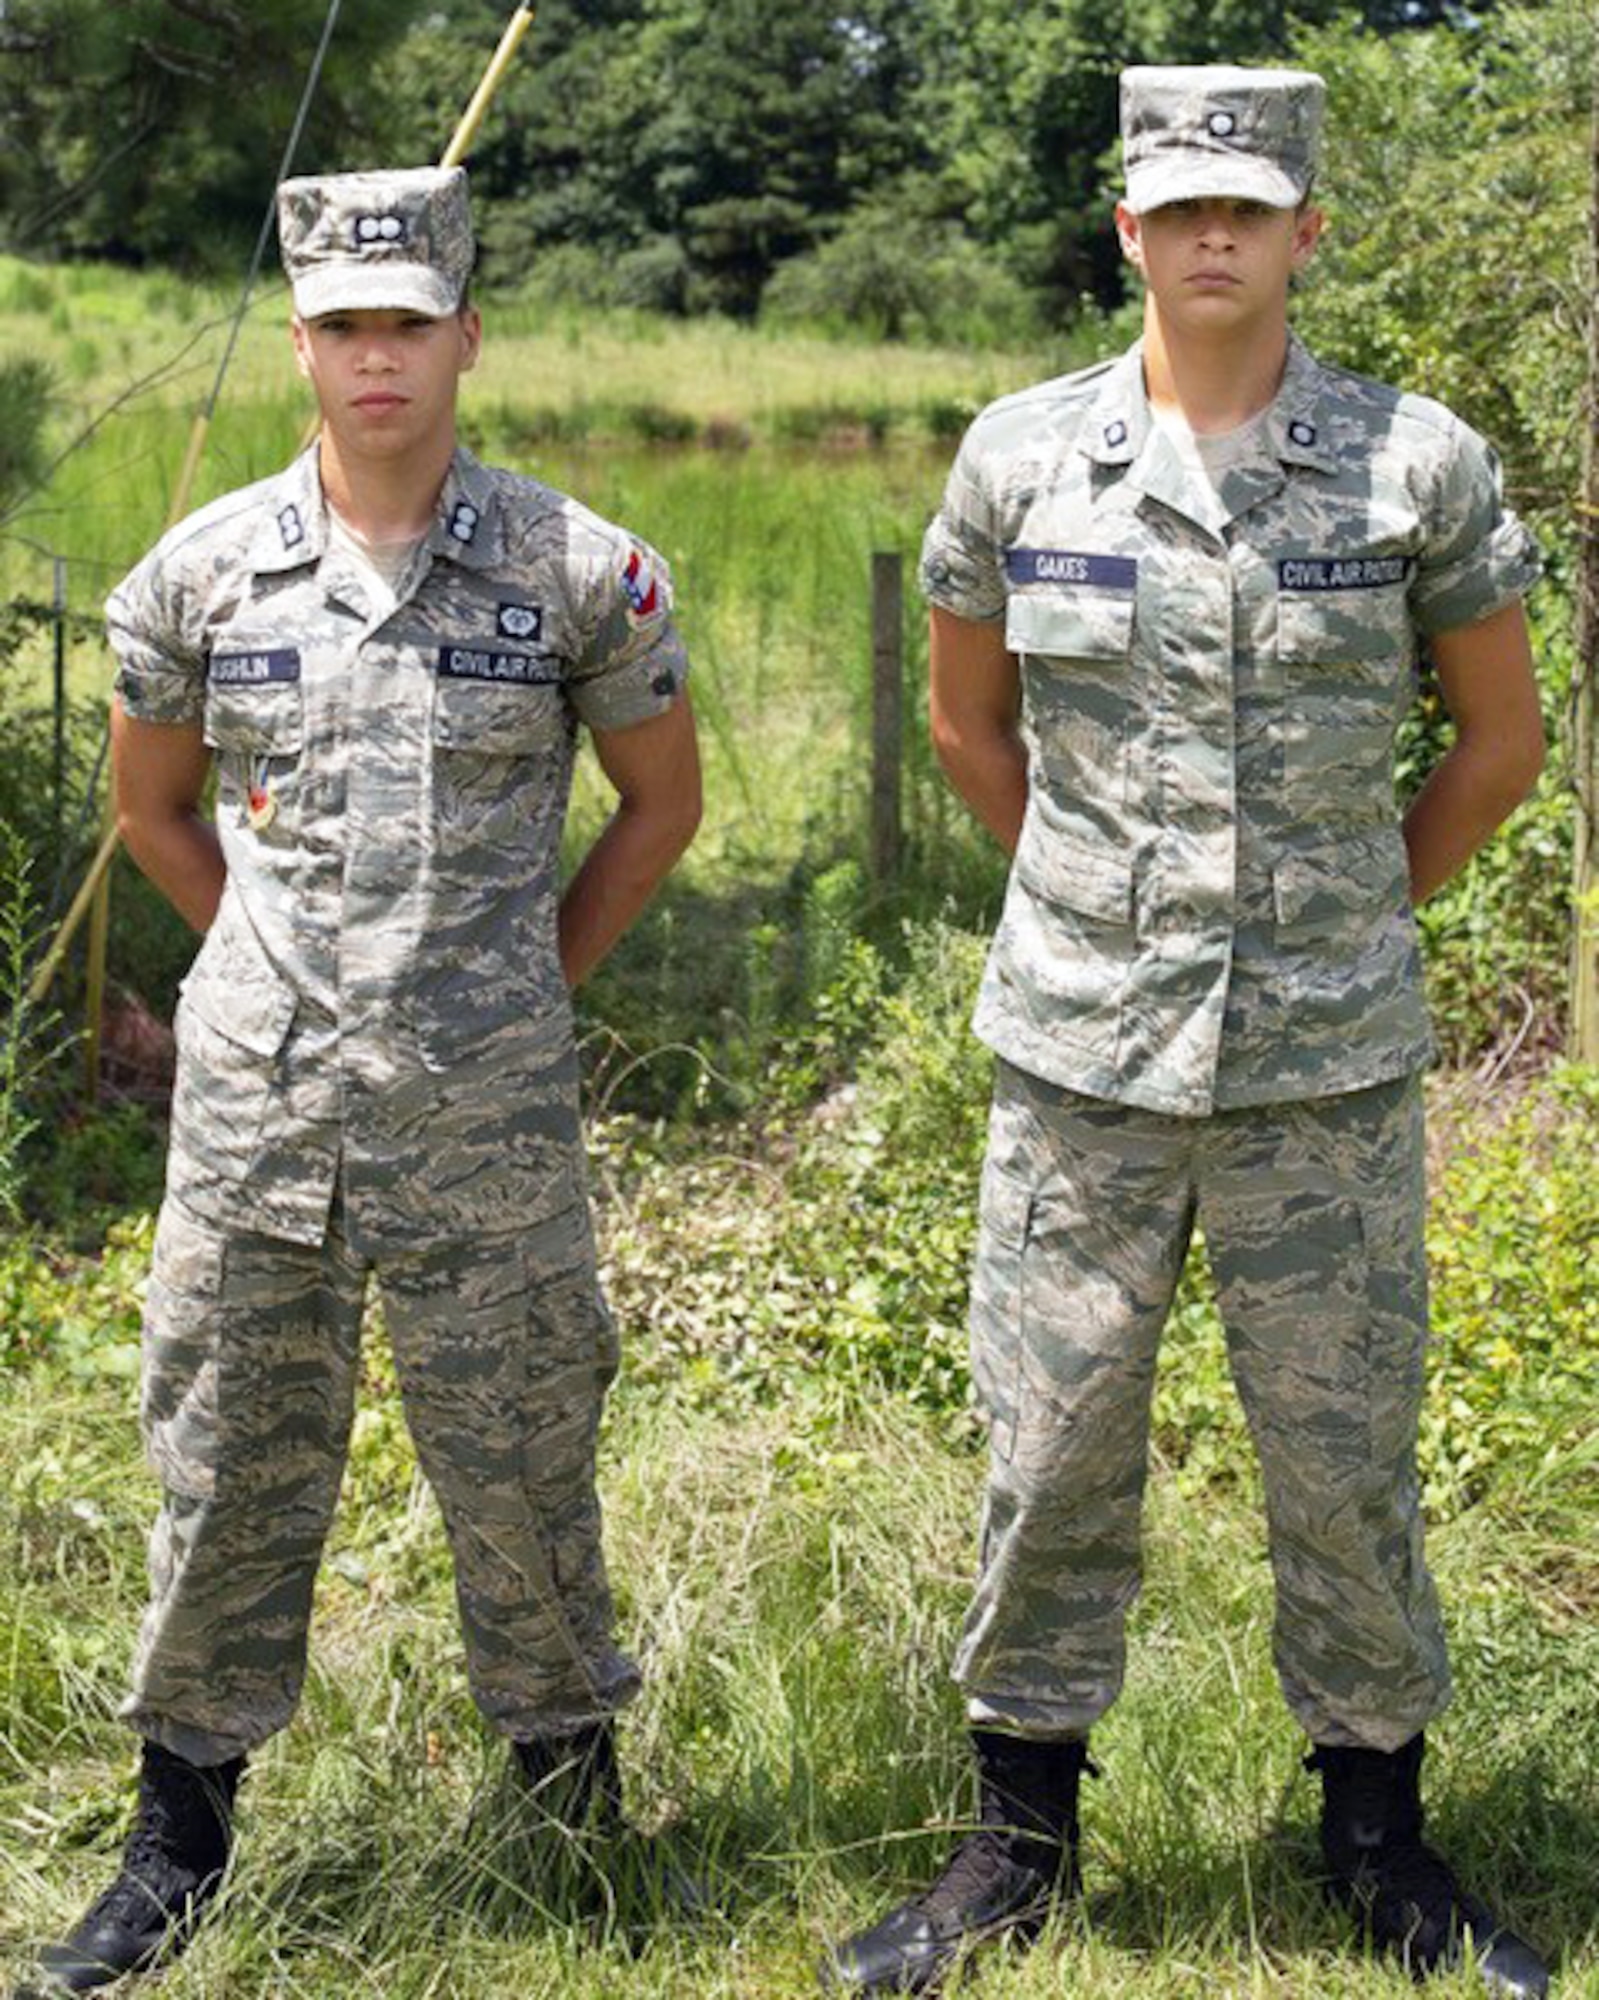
x=176, y=1851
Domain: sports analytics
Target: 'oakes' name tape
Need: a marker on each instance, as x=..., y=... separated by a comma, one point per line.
x=1071, y=566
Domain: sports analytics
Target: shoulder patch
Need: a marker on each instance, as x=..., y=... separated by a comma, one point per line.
x=640, y=586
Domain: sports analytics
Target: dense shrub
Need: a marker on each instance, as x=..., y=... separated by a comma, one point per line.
x=889, y=274
x=830, y=1258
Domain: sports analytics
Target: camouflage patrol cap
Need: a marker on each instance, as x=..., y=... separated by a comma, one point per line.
x=1217, y=130
x=400, y=240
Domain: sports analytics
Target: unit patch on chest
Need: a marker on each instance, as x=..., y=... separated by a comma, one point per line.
x=520, y=621
x=1091, y=572
x=255, y=669
x=489, y=663
x=1343, y=572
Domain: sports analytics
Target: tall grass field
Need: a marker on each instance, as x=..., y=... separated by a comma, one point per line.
x=787, y=1120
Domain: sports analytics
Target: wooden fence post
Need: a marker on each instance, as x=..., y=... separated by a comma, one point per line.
x=888, y=712
x=1584, y=1038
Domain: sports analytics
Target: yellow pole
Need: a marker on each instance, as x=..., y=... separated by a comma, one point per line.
x=499, y=63
x=50, y=964
x=94, y=895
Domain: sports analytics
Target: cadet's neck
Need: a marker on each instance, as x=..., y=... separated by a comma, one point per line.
x=1212, y=384
x=385, y=499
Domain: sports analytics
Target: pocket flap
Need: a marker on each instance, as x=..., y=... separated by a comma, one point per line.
x=1061, y=625
x=233, y=988
x=1330, y=628
x=1004, y=1206
x=1076, y=875
x=267, y=720
x=497, y=720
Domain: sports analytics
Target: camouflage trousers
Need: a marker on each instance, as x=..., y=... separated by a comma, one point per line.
x=503, y=1349
x=1312, y=1216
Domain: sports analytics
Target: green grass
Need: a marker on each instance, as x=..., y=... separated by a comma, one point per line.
x=137, y=353
x=798, y=1746
x=791, y=1540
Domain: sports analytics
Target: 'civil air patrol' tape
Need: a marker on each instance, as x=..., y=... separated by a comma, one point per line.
x=1067, y=566
x=1343, y=572
x=486, y=663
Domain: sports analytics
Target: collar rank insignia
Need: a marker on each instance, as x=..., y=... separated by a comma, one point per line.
x=464, y=518
x=1115, y=432
x=290, y=526
x=1300, y=432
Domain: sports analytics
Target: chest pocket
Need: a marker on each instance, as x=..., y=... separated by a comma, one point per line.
x=1345, y=658
x=1076, y=650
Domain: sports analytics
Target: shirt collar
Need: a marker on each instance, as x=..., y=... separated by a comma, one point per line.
x=1120, y=420
x=468, y=526
x=293, y=529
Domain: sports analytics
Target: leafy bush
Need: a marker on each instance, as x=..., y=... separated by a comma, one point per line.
x=1515, y=1219
x=892, y=274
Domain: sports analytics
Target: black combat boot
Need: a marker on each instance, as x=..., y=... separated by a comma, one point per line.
x=1003, y=1878
x=575, y=1781
x=1403, y=1893
x=172, y=1868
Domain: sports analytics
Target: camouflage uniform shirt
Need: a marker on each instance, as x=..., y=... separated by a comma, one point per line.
x=379, y=1003
x=1209, y=904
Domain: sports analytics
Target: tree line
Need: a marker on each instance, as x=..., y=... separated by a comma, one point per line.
x=674, y=154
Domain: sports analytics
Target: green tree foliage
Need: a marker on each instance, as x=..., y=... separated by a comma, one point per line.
x=707, y=142
x=1453, y=260
x=151, y=129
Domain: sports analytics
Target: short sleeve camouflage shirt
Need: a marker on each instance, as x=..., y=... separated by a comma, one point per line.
x=379, y=1004
x=1209, y=904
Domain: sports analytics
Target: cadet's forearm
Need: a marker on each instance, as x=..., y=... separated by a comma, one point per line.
x=987, y=765
x=182, y=857
x=619, y=874
x=159, y=771
x=1471, y=792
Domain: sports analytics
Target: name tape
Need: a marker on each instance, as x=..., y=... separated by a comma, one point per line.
x=279, y=663
x=1066, y=566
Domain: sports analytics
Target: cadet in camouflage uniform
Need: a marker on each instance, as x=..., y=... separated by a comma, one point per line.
x=1177, y=607
x=386, y=651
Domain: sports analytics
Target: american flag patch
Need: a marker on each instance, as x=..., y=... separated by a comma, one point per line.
x=639, y=586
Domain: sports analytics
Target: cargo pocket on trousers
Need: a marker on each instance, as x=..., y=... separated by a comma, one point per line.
x=1004, y=1213
x=179, y=1408
x=571, y=1359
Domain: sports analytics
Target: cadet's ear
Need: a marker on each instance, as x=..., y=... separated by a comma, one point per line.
x=1128, y=235
x=302, y=355
x=1309, y=222
x=471, y=336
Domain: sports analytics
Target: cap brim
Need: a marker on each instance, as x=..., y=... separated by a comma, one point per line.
x=389, y=286
x=1208, y=176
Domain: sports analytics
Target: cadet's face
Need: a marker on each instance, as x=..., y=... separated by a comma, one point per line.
x=1218, y=263
x=386, y=381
